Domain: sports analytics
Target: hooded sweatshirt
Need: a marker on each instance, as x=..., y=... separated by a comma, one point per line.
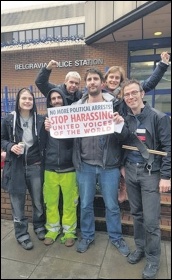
x=33, y=153
x=11, y=134
x=58, y=151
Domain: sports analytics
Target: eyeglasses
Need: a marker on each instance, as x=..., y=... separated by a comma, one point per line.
x=132, y=94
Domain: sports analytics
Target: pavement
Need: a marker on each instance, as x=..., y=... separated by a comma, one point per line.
x=100, y=261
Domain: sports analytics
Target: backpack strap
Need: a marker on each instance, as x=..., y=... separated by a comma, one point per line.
x=149, y=158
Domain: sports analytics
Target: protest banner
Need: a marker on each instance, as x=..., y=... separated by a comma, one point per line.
x=81, y=120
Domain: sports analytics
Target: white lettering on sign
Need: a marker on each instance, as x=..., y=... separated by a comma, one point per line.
x=60, y=64
x=30, y=66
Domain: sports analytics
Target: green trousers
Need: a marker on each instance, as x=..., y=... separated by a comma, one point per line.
x=53, y=182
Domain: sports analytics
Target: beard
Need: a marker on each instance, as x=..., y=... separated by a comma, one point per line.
x=94, y=93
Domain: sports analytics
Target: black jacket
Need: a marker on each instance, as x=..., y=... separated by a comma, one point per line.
x=43, y=84
x=158, y=137
x=112, y=147
x=13, y=172
x=13, y=177
x=58, y=151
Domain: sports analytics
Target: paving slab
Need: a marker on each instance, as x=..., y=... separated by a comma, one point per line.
x=15, y=269
x=101, y=261
x=55, y=268
x=115, y=266
x=94, y=255
x=168, y=257
x=10, y=249
x=6, y=227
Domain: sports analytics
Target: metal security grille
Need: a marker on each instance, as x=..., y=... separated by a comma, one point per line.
x=8, y=97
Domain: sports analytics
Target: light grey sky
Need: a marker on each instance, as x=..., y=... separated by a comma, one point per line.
x=6, y=5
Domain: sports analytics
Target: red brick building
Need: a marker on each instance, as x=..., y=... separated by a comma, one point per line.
x=120, y=38
x=15, y=72
x=106, y=53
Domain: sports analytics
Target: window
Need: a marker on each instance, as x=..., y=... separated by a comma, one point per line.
x=163, y=102
x=141, y=70
x=142, y=61
x=81, y=30
x=15, y=36
x=28, y=35
x=50, y=33
x=165, y=82
x=141, y=52
x=57, y=32
x=43, y=34
x=22, y=36
x=72, y=30
x=160, y=50
x=7, y=38
x=65, y=32
x=35, y=34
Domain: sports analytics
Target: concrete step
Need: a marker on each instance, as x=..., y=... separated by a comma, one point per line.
x=127, y=225
x=127, y=220
x=100, y=207
x=166, y=199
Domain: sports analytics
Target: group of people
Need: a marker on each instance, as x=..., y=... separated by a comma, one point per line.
x=72, y=167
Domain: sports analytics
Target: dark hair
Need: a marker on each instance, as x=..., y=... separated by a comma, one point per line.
x=128, y=82
x=94, y=71
x=23, y=90
x=34, y=109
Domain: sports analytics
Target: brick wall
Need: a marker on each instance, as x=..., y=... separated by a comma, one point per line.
x=111, y=53
x=6, y=212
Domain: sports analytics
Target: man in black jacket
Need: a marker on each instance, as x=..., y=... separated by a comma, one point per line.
x=70, y=87
x=147, y=175
x=97, y=159
x=59, y=176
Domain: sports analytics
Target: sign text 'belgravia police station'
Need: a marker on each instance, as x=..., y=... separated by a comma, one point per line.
x=61, y=64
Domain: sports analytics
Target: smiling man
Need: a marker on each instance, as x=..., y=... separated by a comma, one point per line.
x=145, y=177
x=59, y=176
x=70, y=87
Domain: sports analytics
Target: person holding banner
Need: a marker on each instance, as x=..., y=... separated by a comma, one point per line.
x=97, y=158
x=70, y=87
x=59, y=176
x=147, y=175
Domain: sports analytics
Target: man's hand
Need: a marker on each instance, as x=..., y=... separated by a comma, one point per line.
x=52, y=64
x=165, y=57
x=47, y=124
x=3, y=156
x=164, y=185
x=117, y=118
x=122, y=170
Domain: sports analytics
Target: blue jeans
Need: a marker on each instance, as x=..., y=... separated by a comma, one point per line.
x=35, y=188
x=108, y=180
x=144, y=198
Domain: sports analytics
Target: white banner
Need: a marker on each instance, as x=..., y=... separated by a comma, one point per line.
x=82, y=120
